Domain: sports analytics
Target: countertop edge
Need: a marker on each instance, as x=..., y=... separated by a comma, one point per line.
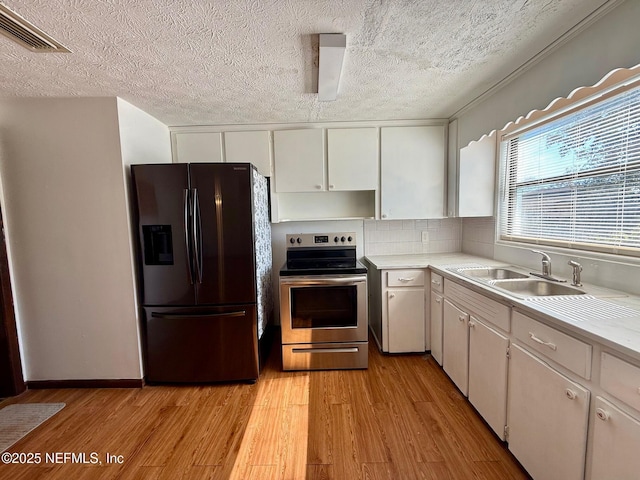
x=440, y=263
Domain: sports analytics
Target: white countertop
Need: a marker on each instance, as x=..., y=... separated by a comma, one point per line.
x=605, y=316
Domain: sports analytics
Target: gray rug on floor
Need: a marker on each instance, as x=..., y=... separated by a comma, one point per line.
x=17, y=420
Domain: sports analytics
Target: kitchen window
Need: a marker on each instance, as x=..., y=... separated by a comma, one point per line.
x=574, y=180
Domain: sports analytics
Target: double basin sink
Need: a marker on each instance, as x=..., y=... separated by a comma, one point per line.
x=518, y=284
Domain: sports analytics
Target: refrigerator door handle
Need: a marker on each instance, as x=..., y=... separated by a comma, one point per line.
x=239, y=313
x=187, y=239
x=197, y=235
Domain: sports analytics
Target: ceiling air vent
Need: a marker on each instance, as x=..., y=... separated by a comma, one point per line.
x=19, y=30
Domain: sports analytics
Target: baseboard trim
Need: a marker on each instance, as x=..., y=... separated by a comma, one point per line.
x=120, y=383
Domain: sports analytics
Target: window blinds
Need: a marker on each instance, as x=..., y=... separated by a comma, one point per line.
x=575, y=181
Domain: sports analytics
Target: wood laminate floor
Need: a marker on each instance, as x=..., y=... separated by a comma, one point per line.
x=400, y=419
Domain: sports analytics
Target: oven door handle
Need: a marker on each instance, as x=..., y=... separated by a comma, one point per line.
x=326, y=281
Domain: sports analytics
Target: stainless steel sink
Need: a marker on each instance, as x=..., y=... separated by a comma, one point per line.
x=492, y=273
x=536, y=288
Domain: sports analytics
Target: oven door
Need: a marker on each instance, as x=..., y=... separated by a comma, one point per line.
x=323, y=308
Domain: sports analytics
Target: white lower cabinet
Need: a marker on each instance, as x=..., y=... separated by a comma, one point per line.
x=437, y=303
x=405, y=314
x=616, y=439
x=488, y=374
x=455, y=345
x=547, y=419
x=398, y=310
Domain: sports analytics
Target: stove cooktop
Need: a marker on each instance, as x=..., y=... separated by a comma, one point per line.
x=322, y=254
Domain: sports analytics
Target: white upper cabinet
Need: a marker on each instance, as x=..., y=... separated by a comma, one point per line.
x=299, y=160
x=352, y=156
x=252, y=147
x=200, y=147
x=476, y=181
x=413, y=172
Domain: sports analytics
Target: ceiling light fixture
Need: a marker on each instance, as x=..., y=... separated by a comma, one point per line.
x=332, y=47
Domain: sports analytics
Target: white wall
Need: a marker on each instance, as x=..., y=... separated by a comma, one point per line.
x=143, y=139
x=65, y=209
x=609, y=43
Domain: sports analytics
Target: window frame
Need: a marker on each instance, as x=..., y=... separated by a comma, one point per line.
x=504, y=199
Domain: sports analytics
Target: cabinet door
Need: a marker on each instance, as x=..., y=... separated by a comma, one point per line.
x=406, y=320
x=547, y=418
x=412, y=166
x=477, y=178
x=201, y=147
x=252, y=147
x=436, y=326
x=352, y=157
x=455, y=345
x=616, y=438
x=298, y=157
x=488, y=374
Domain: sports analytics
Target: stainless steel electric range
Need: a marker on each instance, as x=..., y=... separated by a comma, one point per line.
x=323, y=303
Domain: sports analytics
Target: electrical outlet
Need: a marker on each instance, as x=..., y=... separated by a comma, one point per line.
x=425, y=237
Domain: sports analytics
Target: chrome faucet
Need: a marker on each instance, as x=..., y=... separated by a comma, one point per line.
x=577, y=268
x=546, y=268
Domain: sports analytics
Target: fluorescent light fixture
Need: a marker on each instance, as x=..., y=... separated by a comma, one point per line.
x=332, y=47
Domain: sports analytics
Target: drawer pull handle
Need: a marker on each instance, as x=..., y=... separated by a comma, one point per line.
x=552, y=346
x=436, y=282
x=402, y=279
x=325, y=350
x=571, y=395
x=602, y=414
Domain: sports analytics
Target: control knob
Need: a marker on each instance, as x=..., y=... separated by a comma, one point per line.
x=342, y=239
x=299, y=240
x=350, y=238
x=335, y=239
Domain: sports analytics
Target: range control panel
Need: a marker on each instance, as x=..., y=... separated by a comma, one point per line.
x=335, y=239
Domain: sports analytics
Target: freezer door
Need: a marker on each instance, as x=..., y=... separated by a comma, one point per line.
x=224, y=245
x=162, y=209
x=200, y=344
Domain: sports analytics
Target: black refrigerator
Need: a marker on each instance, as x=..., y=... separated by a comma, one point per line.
x=204, y=246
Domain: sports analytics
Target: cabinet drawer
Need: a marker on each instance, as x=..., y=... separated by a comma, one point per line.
x=620, y=379
x=567, y=351
x=405, y=278
x=493, y=312
x=437, y=283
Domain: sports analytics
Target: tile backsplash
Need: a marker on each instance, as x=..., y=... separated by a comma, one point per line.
x=393, y=237
x=478, y=236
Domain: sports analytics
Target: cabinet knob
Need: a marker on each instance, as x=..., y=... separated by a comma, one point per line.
x=384, y=215
x=571, y=395
x=331, y=186
x=437, y=300
x=392, y=295
x=472, y=324
x=602, y=414
x=461, y=318
x=318, y=187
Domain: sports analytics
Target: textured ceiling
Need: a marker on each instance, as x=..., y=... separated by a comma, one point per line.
x=255, y=61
